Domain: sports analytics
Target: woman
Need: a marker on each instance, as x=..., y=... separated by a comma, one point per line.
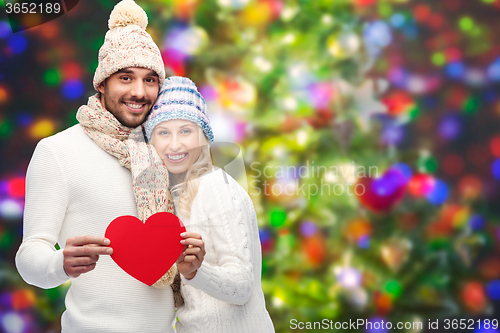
x=224, y=294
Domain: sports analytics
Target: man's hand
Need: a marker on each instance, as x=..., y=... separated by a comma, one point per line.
x=82, y=252
x=192, y=256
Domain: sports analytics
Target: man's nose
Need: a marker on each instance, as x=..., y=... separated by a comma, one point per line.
x=138, y=90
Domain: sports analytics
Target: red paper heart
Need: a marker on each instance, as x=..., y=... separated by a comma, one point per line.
x=146, y=251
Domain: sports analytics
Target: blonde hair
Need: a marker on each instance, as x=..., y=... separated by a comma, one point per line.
x=187, y=188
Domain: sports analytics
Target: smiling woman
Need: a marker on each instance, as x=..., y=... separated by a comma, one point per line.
x=179, y=144
x=224, y=293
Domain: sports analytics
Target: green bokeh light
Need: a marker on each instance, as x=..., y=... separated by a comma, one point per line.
x=393, y=288
x=5, y=128
x=277, y=217
x=466, y=23
x=428, y=164
x=52, y=77
x=385, y=9
x=438, y=59
x=470, y=105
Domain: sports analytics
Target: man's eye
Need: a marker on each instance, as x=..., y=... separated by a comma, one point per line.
x=151, y=80
x=125, y=78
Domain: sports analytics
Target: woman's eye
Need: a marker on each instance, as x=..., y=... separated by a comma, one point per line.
x=163, y=133
x=186, y=131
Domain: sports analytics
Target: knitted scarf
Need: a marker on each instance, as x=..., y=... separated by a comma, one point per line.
x=149, y=174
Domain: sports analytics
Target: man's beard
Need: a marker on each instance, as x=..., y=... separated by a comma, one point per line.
x=115, y=109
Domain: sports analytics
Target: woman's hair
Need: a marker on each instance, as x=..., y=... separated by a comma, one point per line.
x=188, y=187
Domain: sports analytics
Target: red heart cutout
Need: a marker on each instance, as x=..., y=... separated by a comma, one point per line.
x=146, y=251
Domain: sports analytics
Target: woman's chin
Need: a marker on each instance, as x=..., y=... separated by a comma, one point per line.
x=176, y=169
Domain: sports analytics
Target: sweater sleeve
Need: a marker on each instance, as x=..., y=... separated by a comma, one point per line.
x=230, y=232
x=37, y=260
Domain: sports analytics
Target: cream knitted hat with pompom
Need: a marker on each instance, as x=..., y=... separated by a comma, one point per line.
x=127, y=44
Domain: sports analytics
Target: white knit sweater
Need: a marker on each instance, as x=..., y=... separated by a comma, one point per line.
x=225, y=295
x=75, y=188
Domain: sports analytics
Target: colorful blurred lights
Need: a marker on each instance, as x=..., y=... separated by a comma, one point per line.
x=389, y=183
x=10, y=209
x=450, y=127
x=456, y=70
x=495, y=169
x=364, y=241
x=13, y=323
x=72, y=89
x=308, y=228
x=495, y=146
x=466, y=23
x=378, y=33
x=477, y=222
x=397, y=20
x=392, y=135
x=439, y=193
x=348, y=277
x=262, y=64
x=493, y=290
x=42, y=128
x=343, y=45
x=17, y=187
x=17, y=44
x=421, y=184
x=405, y=170
x=493, y=71
x=4, y=94
x=4, y=29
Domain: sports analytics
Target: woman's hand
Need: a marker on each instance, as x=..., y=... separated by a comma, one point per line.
x=192, y=255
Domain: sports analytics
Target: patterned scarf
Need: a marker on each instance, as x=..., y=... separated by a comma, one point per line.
x=149, y=174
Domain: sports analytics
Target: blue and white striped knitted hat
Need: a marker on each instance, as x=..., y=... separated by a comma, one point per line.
x=179, y=99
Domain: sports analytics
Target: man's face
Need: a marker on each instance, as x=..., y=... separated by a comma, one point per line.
x=129, y=94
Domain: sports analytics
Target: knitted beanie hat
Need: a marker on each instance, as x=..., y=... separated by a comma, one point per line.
x=179, y=99
x=127, y=44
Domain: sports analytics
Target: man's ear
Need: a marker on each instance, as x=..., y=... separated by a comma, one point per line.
x=100, y=87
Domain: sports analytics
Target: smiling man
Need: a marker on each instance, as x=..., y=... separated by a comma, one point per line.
x=76, y=185
x=129, y=94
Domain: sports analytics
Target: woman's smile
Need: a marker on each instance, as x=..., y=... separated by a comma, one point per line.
x=177, y=158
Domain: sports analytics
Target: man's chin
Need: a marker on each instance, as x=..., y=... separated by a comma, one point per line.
x=132, y=121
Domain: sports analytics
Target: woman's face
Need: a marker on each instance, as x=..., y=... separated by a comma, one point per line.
x=177, y=142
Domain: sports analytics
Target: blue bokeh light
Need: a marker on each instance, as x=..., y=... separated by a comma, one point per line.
x=405, y=170
x=493, y=290
x=397, y=20
x=308, y=228
x=495, y=169
x=72, y=89
x=17, y=44
x=439, y=193
x=450, y=127
x=455, y=70
x=477, y=222
x=4, y=29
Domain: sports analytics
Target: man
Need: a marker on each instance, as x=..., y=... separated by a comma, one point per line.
x=75, y=188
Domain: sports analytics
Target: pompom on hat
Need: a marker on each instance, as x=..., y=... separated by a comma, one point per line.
x=179, y=99
x=127, y=44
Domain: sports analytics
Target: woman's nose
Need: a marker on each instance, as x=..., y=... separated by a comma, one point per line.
x=175, y=143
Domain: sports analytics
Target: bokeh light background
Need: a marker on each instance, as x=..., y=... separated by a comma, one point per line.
x=409, y=87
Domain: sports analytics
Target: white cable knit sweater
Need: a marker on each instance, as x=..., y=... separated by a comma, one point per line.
x=225, y=295
x=75, y=188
